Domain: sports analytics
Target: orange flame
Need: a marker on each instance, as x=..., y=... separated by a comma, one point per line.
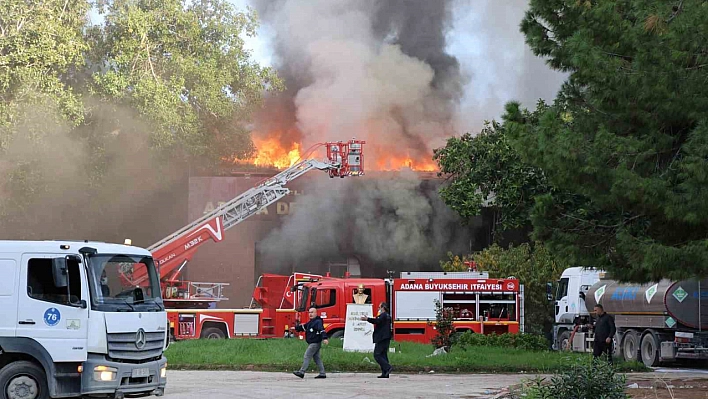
x=270, y=152
x=400, y=162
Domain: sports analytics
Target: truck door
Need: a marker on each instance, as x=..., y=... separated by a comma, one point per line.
x=562, y=301
x=51, y=310
x=8, y=297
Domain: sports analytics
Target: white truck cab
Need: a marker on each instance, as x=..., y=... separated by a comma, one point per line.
x=570, y=301
x=73, y=322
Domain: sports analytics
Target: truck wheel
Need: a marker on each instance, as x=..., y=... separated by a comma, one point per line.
x=630, y=347
x=23, y=380
x=650, y=350
x=337, y=335
x=564, y=343
x=213, y=333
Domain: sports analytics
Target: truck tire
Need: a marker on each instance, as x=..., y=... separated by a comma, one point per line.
x=212, y=333
x=564, y=343
x=630, y=346
x=650, y=350
x=23, y=380
x=339, y=334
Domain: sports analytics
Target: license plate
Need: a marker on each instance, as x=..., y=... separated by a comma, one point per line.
x=144, y=372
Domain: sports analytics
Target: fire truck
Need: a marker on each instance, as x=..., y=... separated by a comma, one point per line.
x=191, y=306
x=480, y=304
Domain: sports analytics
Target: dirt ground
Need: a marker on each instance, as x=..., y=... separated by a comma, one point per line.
x=668, y=387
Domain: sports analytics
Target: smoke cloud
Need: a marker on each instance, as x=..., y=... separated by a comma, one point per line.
x=378, y=71
x=369, y=69
x=99, y=181
x=386, y=219
x=382, y=71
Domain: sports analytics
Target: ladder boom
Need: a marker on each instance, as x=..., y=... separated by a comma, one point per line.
x=174, y=251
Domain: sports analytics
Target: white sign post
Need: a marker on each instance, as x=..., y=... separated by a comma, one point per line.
x=358, y=333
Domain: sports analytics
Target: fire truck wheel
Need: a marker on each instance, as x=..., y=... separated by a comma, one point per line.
x=23, y=379
x=337, y=335
x=213, y=333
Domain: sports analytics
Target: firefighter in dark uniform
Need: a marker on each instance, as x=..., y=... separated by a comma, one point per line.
x=604, y=332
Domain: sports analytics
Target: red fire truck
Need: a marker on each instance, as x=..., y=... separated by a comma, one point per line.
x=479, y=303
x=191, y=305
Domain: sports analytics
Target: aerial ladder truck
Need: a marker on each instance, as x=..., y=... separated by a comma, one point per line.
x=190, y=304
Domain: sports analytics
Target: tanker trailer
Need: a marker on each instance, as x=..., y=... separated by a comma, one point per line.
x=656, y=322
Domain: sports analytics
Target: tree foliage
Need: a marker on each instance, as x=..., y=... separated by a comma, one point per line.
x=96, y=118
x=485, y=171
x=182, y=65
x=626, y=142
x=533, y=265
x=444, y=327
x=41, y=44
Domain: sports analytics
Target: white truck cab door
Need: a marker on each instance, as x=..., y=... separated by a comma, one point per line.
x=562, y=301
x=50, y=314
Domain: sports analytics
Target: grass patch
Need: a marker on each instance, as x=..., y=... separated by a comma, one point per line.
x=286, y=355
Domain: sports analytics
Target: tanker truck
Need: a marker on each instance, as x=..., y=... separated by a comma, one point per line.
x=659, y=322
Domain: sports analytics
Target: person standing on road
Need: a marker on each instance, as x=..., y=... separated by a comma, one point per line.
x=314, y=335
x=604, y=332
x=382, y=338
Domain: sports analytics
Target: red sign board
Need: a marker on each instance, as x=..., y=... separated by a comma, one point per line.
x=458, y=285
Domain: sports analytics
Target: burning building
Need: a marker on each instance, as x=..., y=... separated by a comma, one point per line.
x=374, y=70
x=383, y=221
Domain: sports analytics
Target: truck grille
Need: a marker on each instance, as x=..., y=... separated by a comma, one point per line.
x=121, y=346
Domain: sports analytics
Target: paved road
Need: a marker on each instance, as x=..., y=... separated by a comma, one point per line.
x=263, y=385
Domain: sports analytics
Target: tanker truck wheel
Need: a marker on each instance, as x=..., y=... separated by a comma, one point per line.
x=630, y=346
x=650, y=350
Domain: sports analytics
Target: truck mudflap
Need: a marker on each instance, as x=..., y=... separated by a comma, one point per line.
x=129, y=380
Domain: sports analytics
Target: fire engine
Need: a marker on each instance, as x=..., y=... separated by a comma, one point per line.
x=480, y=304
x=191, y=305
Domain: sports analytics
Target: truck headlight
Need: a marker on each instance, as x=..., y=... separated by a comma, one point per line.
x=104, y=373
x=163, y=371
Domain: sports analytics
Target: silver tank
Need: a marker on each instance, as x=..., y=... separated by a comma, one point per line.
x=679, y=300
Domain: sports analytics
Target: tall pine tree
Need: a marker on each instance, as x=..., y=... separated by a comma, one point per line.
x=626, y=143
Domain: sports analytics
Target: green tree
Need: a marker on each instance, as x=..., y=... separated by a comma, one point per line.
x=40, y=44
x=183, y=66
x=97, y=119
x=484, y=171
x=626, y=141
x=533, y=265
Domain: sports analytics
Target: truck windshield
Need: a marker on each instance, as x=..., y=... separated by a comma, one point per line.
x=124, y=283
x=304, y=293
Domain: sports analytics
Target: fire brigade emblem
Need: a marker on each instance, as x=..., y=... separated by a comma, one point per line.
x=510, y=286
